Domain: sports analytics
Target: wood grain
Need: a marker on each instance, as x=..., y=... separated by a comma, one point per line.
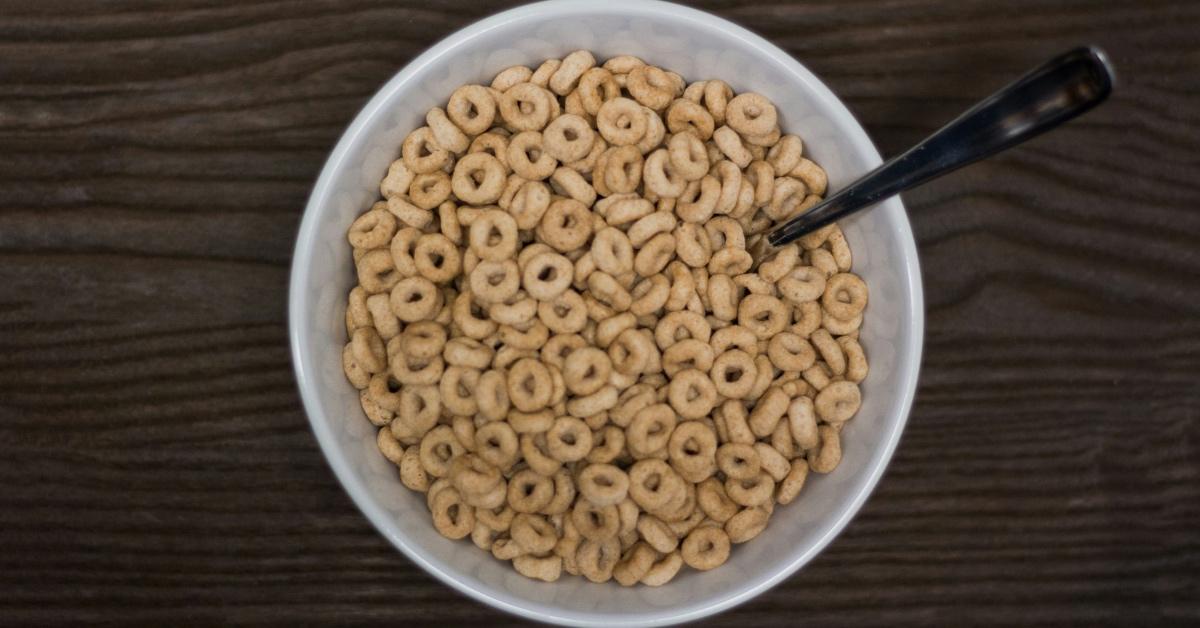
x=157, y=468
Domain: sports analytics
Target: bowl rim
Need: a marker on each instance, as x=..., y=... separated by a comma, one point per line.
x=307, y=382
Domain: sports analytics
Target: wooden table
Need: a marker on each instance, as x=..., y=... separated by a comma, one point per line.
x=158, y=469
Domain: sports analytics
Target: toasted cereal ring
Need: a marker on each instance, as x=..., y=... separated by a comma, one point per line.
x=566, y=225
x=827, y=457
x=427, y=191
x=838, y=402
x=546, y=276
x=688, y=353
x=656, y=132
x=787, y=198
x=595, y=88
x=367, y=348
x=586, y=370
x=751, y=114
x=497, y=444
x=747, y=524
x=692, y=450
x=445, y=133
x=840, y=327
x=372, y=230
x=472, y=108
x=436, y=258
x=527, y=157
x=415, y=299
x=542, y=75
x=790, y=487
x=564, y=314
x=830, y=351
x=568, y=138
x=654, y=255
x=494, y=282
x=634, y=565
x=716, y=98
x=856, y=360
x=773, y=463
x=438, y=447
x=457, y=386
x=526, y=107
x=767, y=412
x=377, y=272
x=651, y=86
x=845, y=296
x=593, y=404
x=733, y=374
x=595, y=522
x=649, y=295
x=603, y=485
x=811, y=174
x=529, y=385
x=650, y=430
x=623, y=169
x=685, y=117
x=676, y=326
x=478, y=179
x=653, y=483
x=397, y=180
x=612, y=251
x=529, y=492
x=692, y=394
x=421, y=153
x=452, y=517
x=493, y=236
x=659, y=176
x=707, y=547
x=785, y=155
x=712, y=500
x=621, y=122
x=511, y=76
x=817, y=376
x=596, y=559
x=763, y=315
x=732, y=146
x=790, y=352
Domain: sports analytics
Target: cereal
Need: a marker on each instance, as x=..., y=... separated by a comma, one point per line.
x=560, y=336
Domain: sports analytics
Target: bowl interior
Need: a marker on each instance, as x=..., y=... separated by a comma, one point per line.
x=697, y=46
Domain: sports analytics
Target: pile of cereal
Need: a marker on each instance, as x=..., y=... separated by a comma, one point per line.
x=560, y=335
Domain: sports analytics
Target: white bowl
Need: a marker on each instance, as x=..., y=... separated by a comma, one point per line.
x=698, y=46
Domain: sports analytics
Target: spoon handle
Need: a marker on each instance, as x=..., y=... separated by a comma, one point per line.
x=1063, y=88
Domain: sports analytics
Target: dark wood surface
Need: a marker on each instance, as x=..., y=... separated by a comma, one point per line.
x=156, y=464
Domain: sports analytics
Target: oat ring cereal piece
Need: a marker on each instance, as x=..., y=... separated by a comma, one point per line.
x=529, y=491
x=653, y=484
x=494, y=282
x=372, y=230
x=688, y=353
x=650, y=430
x=445, y=133
x=688, y=156
x=733, y=374
x=762, y=314
x=565, y=314
x=621, y=122
x=496, y=443
x=838, y=402
x=415, y=299
x=586, y=370
x=368, y=349
x=732, y=146
x=630, y=352
x=472, y=108
x=478, y=179
x=692, y=451
x=596, y=559
x=568, y=138
x=421, y=153
x=791, y=352
x=612, y=251
x=622, y=170
x=526, y=107
x=649, y=295
x=659, y=176
x=493, y=236
x=651, y=86
x=785, y=155
x=569, y=439
x=595, y=522
x=529, y=385
x=687, y=117
x=452, y=516
x=527, y=157
x=428, y=191
x=529, y=203
x=566, y=225
x=437, y=258
x=845, y=296
x=692, y=394
x=546, y=276
x=706, y=547
x=751, y=114
x=603, y=485
x=596, y=87
x=634, y=565
x=377, y=272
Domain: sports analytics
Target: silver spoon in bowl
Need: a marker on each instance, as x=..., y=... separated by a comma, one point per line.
x=1050, y=95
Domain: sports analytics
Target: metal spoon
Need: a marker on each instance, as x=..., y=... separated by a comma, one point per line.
x=1063, y=88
